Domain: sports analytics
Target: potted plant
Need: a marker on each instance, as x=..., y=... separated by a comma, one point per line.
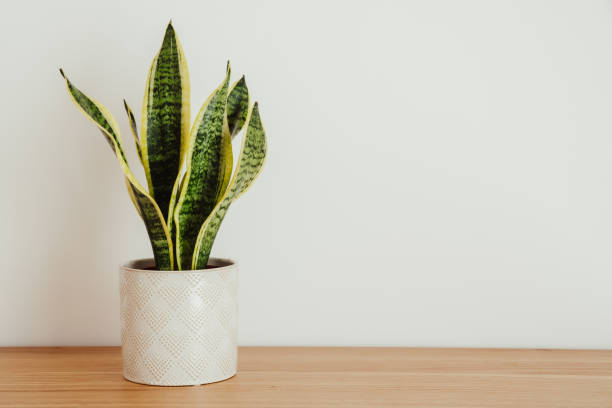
x=179, y=310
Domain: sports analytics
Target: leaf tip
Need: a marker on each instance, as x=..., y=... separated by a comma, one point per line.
x=255, y=113
x=170, y=28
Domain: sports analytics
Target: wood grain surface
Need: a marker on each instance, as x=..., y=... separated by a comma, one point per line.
x=320, y=377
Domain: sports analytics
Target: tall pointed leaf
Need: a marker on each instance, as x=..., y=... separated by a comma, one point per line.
x=165, y=119
x=208, y=167
x=145, y=205
x=250, y=163
x=133, y=129
x=237, y=106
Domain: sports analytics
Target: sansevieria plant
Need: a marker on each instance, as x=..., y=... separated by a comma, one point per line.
x=188, y=168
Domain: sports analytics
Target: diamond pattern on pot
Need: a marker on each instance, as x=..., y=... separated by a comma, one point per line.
x=179, y=328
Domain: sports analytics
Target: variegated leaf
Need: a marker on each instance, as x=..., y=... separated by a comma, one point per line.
x=133, y=129
x=165, y=119
x=208, y=168
x=145, y=205
x=237, y=106
x=250, y=163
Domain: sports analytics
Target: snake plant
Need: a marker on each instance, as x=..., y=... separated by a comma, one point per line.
x=188, y=168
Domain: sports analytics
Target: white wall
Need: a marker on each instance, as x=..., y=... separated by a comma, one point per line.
x=439, y=172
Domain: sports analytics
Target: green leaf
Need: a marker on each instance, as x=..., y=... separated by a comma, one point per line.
x=155, y=225
x=165, y=119
x=133, y=129
x=178, y=186
x=145, y=205
x=250, y=163
x=237, y=106
x=208, y=168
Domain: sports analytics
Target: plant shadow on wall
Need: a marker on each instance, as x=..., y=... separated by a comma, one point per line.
x=188, y=168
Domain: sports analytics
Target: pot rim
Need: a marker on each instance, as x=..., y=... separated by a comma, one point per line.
x=136, y=265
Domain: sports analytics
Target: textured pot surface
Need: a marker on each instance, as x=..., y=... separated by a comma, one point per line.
x=179, y=327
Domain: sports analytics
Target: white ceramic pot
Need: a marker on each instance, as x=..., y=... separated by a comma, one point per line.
x=179, y=327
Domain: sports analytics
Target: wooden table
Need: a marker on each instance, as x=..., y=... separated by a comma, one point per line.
x=320, y=377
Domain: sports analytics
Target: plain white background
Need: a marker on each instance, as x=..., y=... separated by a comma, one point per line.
x=439, y=172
